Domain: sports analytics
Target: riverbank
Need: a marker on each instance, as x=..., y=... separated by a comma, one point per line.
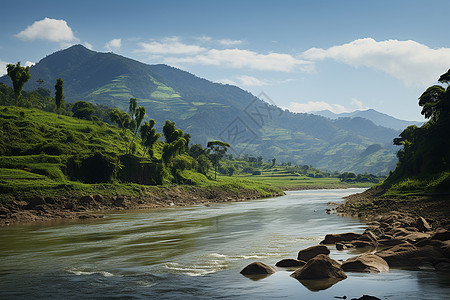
x=75, y=204
x=373, y=203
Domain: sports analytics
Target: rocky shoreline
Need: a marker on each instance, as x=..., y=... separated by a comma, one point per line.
x=393, y=239
x=72, y=206
x=372, y=203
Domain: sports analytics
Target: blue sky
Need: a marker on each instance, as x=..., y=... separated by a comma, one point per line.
x=305, y=55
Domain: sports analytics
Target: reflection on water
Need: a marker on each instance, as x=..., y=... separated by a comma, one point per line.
x=195, y=252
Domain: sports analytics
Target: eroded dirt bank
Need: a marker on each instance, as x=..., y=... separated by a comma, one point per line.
x=71, y=206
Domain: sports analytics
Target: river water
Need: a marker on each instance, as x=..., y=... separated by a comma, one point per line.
x=193, y=253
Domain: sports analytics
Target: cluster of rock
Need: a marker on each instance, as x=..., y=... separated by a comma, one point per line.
x=396, y=240
x=402, y=240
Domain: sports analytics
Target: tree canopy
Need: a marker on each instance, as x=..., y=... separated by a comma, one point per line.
x=19, y=76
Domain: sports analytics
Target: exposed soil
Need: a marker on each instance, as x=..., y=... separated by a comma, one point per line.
x=70, y=206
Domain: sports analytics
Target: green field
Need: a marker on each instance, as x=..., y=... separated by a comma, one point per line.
x=288, y=182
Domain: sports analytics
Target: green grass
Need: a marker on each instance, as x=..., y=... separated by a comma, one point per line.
x=38, y=132
x=419, y=185
x=286, y=181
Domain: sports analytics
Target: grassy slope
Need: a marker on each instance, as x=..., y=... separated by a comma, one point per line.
x=26, y=170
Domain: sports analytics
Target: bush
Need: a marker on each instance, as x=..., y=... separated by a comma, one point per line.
x=96, y=168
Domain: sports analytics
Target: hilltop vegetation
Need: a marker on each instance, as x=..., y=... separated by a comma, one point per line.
x=421, y=180
x=207, y=111
x=424, y=162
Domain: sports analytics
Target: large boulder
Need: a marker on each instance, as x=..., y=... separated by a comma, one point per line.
x=320, y=267
x=258, y=268
x=368, y=263
x=340, y=237
x=308, y=253
x=289, y=262
x=412, y=257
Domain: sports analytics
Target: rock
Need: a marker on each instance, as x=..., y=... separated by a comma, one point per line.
x=320, y=267
x=442, y=235
x=446, y=249
x=405, y=246
x=341, y=246
x=258, y=268
x=308, y=253
x=390, y=242
x=86, y=200
x=340, y=237
x=35, y=202
x=4, y=211
x=415, y=237
x=414, y=257
x=367, y=263
x=442, y=264
x=422, y=225
x=290, y=263
x=366, y=297
x=363, y=244
x=119, y=201
x=399, y=232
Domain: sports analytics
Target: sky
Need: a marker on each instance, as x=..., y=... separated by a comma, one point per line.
x=305, y=55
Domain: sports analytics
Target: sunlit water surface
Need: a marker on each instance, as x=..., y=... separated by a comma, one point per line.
x=195, y=252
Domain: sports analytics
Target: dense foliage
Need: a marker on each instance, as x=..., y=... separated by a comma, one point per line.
x=424, y=161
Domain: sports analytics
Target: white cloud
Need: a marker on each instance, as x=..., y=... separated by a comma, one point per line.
x=170, y=45
x=203, y=38
x=88, y=45
x=29, y=63
x=48, y=29
x=3, y=67
x=227, y=81
x=251, y=81
x=311, y=106
x=228, y=43
x=238, y=58
x=358, y=104
x=409, y=61
x=114, y=45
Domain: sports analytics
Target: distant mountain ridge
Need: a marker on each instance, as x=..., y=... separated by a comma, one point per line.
x=210, y=111
x=376, y=117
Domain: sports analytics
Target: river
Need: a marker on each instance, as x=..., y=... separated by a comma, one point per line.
x=193, y=253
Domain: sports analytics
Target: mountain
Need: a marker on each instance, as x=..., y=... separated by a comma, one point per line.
x=376, y=117
x=210, y=111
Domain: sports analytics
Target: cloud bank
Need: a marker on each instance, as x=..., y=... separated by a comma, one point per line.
x=48, y=29
x=409, y=61
x=114, y=45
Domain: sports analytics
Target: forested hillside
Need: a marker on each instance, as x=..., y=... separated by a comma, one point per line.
x=212, y=111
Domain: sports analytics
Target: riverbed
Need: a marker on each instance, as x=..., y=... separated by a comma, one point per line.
x=193, y=253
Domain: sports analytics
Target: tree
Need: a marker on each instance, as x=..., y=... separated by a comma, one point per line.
x=204, y=164
x=173, y=149
x=274, y=160
x=19, y=76
x=59, y=95
x=132, y=109
x=83, y=110
x=122, y=119
x=431, y=102
x=149, y=136
x=217, y=150
x=171, y=133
